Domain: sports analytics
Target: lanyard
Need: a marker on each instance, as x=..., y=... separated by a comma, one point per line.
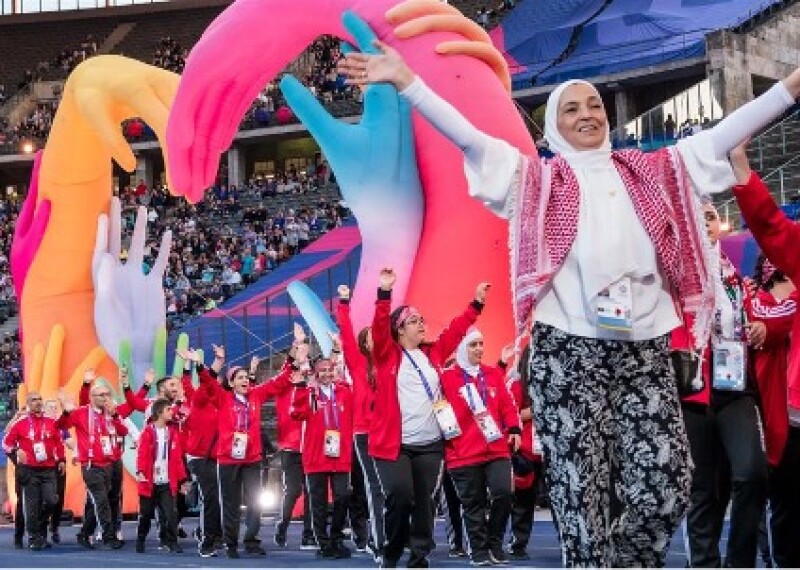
x=32, y=432
x=162, y=451
x=330, y=403
x=733, y=289
x=242, y=415
x=481, y=383
x=421, y=376
x=92, y=413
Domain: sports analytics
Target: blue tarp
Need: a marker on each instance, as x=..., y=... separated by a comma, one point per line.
x=623, y=35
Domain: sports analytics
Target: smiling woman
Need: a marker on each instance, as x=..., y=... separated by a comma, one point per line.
x=609, y=249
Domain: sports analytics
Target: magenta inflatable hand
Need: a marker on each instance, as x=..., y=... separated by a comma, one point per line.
x=240, y=52
x=29, y=231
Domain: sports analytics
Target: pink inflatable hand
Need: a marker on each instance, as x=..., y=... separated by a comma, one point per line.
x=222, y=77
x=29, y=231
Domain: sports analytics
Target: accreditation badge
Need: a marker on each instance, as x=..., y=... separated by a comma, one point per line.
x=446, y=418
x=332, y=443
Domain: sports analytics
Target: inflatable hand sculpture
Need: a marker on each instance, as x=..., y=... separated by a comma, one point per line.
x=376, y=169
x=28, y=231
x=75, y=177
x=462, y=243
x=129, y=304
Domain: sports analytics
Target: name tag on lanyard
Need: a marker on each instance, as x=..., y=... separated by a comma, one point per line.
x=615, y=306
x=332, y=442
x=442, y=410
x=241, y=434
x=39, y=449
x=477, y=405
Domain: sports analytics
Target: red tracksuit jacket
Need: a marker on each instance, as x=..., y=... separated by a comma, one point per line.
x=124, y=410
x=356, y=363
x=471, y=448
x=35, y=429
x=84, y=418
x=227, y=416
x=516, y=389
x=146, y=460
x=290, y=430
x=180, y=409
x=778, y=238
x=385, y=435
x=770, y=368
x=320, y=414
x=200, y=429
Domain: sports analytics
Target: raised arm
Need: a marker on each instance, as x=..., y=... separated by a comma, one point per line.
x=451, y=336
x=383, y=343
x=489, y=163
x=353, y=359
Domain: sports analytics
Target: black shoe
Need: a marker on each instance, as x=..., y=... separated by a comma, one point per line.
x=207, y=550
x=174, y=548
x=518, y=554
x=480, y=559
x=219, y=544
x=457, y=552
x=84, y=541
x=48, y=545
x=182, y=533
x=113, y=544
x=280, y=539
x=18, y=544
x=498, y=556
x=139, y=547
x=341, y=551
x=361, y=545
x=308, y=544
x=231, y=552
x=255, y=549
x=36, y=544
x=55, y=537
x=386, y=563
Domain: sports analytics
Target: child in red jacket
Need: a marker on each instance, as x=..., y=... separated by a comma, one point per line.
x=327, y=410
x=159, y=474
x=478, y=459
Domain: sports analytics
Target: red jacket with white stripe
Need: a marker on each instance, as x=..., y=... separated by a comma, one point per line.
x=146, y=460
x=124, y=410
x=356, y=363
x=321, y=414
x=778, y=238
x=770, y=368
x=32, y=429
x=516, y=389
x=290, y=430
x=471, y=448
x=180, y=408
x=385, y=435
x=251, y=424
x=90, y=427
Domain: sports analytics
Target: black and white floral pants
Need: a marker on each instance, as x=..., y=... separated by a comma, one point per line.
x=617, y=456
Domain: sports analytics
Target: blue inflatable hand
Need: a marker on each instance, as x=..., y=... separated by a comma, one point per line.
x=315, y=315
x=376, y=168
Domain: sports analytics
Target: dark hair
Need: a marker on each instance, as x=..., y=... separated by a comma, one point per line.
x=160, y=382
x=158, y=408
x=758, y=275
x=394, y=319
x=364, y=349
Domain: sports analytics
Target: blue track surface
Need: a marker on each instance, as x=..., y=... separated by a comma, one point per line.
x=543, y=549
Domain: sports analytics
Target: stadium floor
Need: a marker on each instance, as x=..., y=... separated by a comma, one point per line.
x=543, y=549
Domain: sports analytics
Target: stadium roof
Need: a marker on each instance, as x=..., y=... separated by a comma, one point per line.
x=549, y=41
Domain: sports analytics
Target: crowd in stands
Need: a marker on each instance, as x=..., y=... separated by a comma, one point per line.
x=489, y=14
x=10, y=362
x=220, y=245
x=170, y=55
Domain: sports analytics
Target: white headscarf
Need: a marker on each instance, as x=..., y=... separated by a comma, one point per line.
x=462, y=356
x=558, y=144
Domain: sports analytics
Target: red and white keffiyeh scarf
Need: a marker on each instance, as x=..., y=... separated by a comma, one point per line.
x=545, y=224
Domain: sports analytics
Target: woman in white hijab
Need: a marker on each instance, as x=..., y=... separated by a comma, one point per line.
x=609, y=249
x=478, y=460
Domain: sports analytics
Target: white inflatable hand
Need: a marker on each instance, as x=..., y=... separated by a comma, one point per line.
x=129, y=304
